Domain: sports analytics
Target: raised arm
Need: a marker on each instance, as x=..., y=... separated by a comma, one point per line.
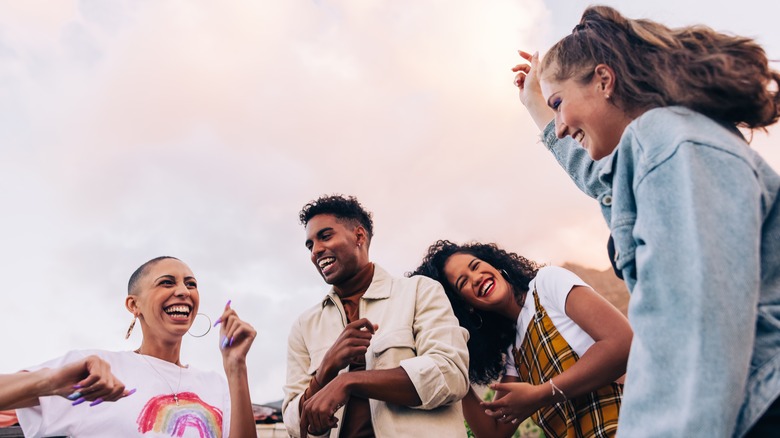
x=574, y=159
x=236, y=337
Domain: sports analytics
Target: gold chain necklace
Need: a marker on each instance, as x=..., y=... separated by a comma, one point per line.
x=178, y=385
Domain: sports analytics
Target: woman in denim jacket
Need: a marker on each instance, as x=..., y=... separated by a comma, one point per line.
x=645, y=121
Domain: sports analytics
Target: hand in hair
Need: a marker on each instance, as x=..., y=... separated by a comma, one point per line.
x=530, y=91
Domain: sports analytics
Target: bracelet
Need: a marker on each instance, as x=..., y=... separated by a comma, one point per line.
x=558, y=390
x=316, y=380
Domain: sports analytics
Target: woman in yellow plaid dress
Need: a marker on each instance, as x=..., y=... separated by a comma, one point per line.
x=558, y=348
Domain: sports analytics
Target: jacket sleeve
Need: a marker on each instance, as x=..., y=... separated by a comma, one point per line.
x=574, y=159
x=693, y=306
x=298, y=377
x=439, y=372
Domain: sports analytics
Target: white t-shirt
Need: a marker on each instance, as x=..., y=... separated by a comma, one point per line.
x=203, y=409
x=553, y=285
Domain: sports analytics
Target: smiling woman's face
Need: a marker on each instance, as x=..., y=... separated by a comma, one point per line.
x=585, y=111
x=168, y=299
x=481, y=285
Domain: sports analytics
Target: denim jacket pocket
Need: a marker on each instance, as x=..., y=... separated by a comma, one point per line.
x=623, y=237
x=388, y=349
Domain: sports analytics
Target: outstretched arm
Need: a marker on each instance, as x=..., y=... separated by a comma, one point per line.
x=236, y=337
x=89, y=379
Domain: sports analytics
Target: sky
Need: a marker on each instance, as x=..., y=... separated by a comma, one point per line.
x=197, y=129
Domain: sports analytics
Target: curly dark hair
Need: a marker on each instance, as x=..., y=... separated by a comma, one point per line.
x=490, y=334
x=725, y=77
x=347, y=209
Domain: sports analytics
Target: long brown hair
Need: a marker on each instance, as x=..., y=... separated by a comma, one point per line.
x=724, y=77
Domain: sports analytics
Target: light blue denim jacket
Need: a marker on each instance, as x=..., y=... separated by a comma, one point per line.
x=695, y=217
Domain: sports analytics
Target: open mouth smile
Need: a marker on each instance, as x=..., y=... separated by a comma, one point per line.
x=326, y=263
x=486, y=288
x=178, y=311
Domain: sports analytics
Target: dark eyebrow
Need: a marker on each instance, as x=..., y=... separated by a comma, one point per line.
x=189, y=278
x=472, y=262
x=323, y=231
x=169, y=276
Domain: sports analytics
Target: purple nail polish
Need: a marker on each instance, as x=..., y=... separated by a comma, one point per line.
x=96, y=402
x=76, y=386
x=231, y=340
x=228, y=303
x=224, y=342
x=74, y=396
x=131, y=392
x=79, y=401
x=218, y=321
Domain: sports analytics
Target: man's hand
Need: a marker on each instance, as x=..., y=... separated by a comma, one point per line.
x=318, y=412
x=351, y=344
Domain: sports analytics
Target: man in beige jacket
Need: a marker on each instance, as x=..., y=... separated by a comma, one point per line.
x=378, y=356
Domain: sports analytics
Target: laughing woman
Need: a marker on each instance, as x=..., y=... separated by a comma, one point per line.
x=557, y=346
x=645, y=121
x=168, y=398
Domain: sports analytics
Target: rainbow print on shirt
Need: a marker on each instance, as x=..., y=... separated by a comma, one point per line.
x=162, y=415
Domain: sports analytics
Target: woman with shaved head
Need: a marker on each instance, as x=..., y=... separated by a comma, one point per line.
x=168, y=398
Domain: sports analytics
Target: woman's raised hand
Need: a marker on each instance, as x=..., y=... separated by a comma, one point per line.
x=527, y=82
x=235, y=336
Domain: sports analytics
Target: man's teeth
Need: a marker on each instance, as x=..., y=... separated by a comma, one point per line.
x=322, y=263
x=579, y=136
x=178, y=309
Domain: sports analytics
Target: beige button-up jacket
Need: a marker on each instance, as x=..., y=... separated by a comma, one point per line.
x=417, y=331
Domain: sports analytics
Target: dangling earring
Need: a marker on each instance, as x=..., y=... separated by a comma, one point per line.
x=208, y=327
x=130, y=329
x=475, y=316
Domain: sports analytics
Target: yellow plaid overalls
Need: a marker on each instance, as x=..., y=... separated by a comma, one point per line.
x=544, y=354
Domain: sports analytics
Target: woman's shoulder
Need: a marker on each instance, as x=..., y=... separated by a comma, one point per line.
x=551, y=272
x=555, y=280
x=658, y=133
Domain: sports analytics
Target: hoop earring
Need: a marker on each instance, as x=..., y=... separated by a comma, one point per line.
x=472, y=315
x=132, y=326
x=208, y=326
x=506, y=275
